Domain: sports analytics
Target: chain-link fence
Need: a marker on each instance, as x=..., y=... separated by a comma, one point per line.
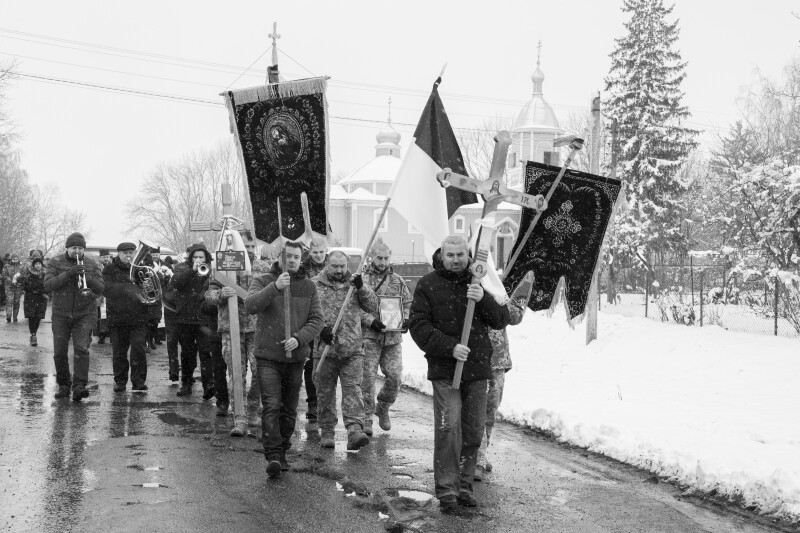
x=703, y=296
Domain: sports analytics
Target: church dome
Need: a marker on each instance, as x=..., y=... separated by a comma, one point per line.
x=388, y=136
x=537, y=113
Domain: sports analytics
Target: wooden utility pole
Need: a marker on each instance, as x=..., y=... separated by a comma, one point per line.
x=594, y=168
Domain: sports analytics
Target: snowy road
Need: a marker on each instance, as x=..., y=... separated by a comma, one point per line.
x=127, y=462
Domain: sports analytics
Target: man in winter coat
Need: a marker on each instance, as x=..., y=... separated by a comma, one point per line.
x=314, y=264
x=74, y=313
x=218, y=295
x=127, y=321
x=190, y=287
x=382, y=348
x=345, y=361
x=501, y=364
x=170, y=303
x=12, y=273
x=3, y=262
x=437, y=316
x=35, y=305
x=280, y=360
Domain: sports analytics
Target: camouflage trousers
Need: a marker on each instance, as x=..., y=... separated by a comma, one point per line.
x=350, y=372
x=13, y=295
x=390, y=360
x=248, y=348
x=493, y=399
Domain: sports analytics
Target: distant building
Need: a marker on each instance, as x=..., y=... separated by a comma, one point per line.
x=356, y=201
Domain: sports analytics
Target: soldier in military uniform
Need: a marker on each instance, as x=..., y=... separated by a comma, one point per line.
x=382, y=348
x=345, y=361
x=314, y=263
x=501, y=363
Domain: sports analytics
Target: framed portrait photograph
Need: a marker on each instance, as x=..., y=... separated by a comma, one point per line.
x=392, y=312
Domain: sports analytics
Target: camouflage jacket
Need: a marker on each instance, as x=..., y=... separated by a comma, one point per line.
x=247, y=322
x=501, y=355
x=313, y=269
x=394, y=285
x=349, y=335
x=12, y=269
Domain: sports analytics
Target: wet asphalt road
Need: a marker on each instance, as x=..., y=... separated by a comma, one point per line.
x=86, y=467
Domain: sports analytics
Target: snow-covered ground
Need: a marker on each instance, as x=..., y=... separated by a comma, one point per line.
x=709, y=408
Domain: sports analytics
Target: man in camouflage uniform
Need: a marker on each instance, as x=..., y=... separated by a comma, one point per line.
x=501, y=363
x=313, y=264
x=382, y=348
x=12, y=273
x=345, y=361
x=218, y=295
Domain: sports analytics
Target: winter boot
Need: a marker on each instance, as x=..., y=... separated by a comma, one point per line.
x=327, y=440
x=274, y=467
x=239, y=428
x=284, y=462
x=382, y=410
x=356, y=438
x=62, y=392
x=208, y=392
x=368, y=427
x=185, y=390
x=222, y=408
x=79, y=393
x=33, y=340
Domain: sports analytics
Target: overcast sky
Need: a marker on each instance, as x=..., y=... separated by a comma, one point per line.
x=98, y=145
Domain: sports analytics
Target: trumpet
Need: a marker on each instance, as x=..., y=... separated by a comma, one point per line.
x=83, y=287
x=145, y=276
x=203, y=270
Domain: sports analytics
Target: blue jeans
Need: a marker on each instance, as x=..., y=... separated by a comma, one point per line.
x=280, y=392
x=459, y=419
x=79, y=329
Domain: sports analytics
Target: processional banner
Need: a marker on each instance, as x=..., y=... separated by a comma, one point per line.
x=282, y=137
x=567, y=240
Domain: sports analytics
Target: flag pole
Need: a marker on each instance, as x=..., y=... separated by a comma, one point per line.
x=352, y=288
x=287, y=291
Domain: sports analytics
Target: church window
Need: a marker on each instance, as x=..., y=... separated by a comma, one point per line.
x=458, y=221
x=384, y=224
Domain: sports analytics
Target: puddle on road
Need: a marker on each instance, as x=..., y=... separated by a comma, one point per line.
x=174, y=419
x=417, y=495
x=403, y=476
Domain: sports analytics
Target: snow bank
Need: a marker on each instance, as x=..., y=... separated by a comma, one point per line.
x=705, y=407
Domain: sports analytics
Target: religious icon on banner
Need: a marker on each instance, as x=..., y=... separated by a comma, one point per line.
x=392, y=312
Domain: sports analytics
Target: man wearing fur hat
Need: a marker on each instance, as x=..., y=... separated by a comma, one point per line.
x=127, y=319
x=12, y=273
x=74, y=282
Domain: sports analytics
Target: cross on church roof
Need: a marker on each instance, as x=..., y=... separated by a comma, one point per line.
x=539, y=55
x=274, y=36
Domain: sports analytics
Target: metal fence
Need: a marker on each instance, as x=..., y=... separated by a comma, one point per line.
x=701, y=296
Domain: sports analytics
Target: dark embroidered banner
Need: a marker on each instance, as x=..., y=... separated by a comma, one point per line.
x=282, y=133
x=567, y=239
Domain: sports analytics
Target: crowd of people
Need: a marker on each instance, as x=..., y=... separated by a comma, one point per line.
x=336, y=335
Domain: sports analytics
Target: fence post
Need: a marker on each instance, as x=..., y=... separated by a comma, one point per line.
x=777, y=292
x=701, y=297
x=646, y=290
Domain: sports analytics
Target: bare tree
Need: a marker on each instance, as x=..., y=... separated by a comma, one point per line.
x=477, y=145
x=54, y=221
x=17, y=204
x=176, y=193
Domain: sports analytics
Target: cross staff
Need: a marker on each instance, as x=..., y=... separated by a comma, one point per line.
x=494, y=192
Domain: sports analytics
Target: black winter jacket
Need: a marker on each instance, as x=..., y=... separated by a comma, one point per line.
x=437, y=316
x=67, y=300
x=190, y=289
x=123, y=306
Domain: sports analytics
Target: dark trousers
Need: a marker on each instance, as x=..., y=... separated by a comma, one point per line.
x=193, y=341
x=124, y=337
x=220, y=369
x=280, y=392
x=172, y=349
x=33, y=325
x=459, y=418
x=79, y=329
x=311, y=389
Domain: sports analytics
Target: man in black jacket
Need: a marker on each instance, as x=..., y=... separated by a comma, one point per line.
x=74, y=290
x=435, y=323
x=190, y=325
x=127, y=320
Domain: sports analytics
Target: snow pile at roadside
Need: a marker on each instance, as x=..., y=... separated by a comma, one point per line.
x=708, y=408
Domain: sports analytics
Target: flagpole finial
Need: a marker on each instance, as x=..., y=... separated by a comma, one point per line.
x=439, y=79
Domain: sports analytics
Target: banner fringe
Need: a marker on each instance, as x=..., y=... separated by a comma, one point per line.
x=277, y=91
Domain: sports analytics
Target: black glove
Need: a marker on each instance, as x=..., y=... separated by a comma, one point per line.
x=357, y=281
x=77, y=270
x=377, y=325
x=405, y=325
x=327, y=335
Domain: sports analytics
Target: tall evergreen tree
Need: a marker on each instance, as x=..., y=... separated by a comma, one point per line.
x=644, y=88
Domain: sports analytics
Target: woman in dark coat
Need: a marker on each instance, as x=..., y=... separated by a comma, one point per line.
x=35, y=303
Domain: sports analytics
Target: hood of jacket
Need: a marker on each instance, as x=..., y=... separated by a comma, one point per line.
x=276, y=271
x=14, y=258
x=195, y=247
x=375, y=272
x=325, y=280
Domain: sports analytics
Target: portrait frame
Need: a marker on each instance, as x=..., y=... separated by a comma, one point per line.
x=391, y=308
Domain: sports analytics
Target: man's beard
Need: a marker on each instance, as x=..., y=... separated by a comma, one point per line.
x=379, y=269
x=338, y=276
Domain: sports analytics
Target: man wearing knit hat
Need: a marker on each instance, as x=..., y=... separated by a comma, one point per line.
x=74, y=282
x=127, y=320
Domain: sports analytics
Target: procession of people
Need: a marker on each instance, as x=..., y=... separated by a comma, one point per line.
x=341, y=335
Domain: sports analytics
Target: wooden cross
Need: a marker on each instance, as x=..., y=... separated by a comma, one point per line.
x=494, y=192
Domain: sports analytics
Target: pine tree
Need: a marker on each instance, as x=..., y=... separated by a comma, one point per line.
x=645, y=98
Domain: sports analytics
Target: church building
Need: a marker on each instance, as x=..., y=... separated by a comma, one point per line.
x=357, y=200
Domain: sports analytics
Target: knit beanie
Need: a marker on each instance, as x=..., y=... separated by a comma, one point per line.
x=76, y=239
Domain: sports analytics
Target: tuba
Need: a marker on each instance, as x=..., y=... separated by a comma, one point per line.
x=145, y=276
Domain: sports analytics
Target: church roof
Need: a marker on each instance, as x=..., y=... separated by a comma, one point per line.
x=537, y=113
x=382, y=168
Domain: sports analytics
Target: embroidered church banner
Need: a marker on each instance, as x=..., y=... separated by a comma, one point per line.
x=567, y=239
x=282, y=137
